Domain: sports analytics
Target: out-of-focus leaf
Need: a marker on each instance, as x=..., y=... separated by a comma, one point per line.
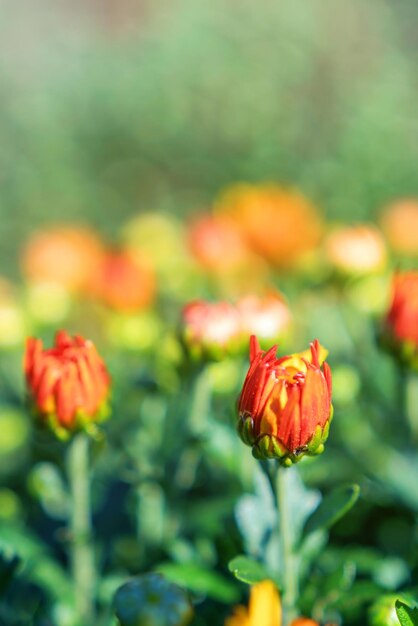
x=47, y=485
x=248, y=570
x=407, y=616
x=256, y=515
x=39, y=565
x=9, y=562
x=150, y=600
x=332, y=508
x=391, y=572
x=200, y=581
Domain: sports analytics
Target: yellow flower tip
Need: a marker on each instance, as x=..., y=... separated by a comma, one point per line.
x=264, y=607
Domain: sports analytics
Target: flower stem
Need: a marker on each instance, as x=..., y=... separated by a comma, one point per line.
x=200, y=402
x=411, y=405
x=82, y=553
x=290, y=577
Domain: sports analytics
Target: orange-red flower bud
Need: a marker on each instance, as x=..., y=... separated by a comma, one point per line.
x=402, y=317
x=68, y=383
x=285, y=404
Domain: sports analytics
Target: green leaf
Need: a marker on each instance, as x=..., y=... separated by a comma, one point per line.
x=198, y=579
x=248, y=570
x=406, y=615
x=332, y=508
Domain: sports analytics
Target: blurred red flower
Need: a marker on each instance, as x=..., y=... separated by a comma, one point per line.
x=402, y=318
x=68, y=383
x=285, y=404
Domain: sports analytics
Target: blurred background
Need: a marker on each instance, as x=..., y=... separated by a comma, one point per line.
x=110, y=107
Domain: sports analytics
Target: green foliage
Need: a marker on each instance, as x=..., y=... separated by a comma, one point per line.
x=248, y=570
x=407, y=616
x=332, y=508
x=103, y=117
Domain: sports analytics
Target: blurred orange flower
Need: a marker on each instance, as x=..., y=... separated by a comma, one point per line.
x=63, y=255
x=267, y=317
x=356, y=249
x=264, y=608
x=124, y=281
x=216, y=242
x=399, y=223
x=285, y=404
x=68, y=383
x=402, y=317
x=280, y=224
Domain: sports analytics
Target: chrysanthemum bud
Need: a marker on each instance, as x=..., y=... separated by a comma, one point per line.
x=401, y=324
x=285, y=405
x=68, y=383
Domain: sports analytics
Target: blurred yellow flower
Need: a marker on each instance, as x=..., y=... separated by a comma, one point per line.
x=356, y=250
x=264, y=608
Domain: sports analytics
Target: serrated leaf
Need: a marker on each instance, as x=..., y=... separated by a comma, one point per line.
x=200, y=580
x=248, y=570
x=332, y=508
x=407, y=616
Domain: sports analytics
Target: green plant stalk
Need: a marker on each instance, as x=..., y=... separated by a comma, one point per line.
x=82, y=552
x=290, y=575
x=411, y=404
x=200, y=402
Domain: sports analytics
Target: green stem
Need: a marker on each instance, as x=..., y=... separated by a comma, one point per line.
x=82, y=552
x=290, y=576
x=200, y=402
x=411, y=405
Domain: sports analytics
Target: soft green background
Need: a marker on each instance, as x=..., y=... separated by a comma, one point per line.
x=107, y=108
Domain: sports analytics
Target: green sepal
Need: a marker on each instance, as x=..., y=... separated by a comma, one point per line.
x=246, y=430
x=82, y=422
x=268, y=447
